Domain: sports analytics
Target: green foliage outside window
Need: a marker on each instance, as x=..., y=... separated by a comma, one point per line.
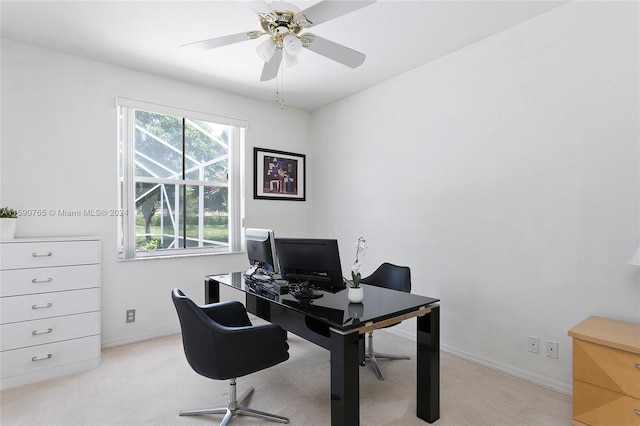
x=170, y=147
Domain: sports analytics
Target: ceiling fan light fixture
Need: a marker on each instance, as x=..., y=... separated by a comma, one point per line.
x=292, y=44
x=266, y=49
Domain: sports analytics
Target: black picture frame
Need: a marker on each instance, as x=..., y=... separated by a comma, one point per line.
x=278, y=175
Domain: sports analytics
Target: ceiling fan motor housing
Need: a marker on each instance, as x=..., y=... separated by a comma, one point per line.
x=282, y=22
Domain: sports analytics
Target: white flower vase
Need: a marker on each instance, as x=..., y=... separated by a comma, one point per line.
x=8, y=228
x=355, y=294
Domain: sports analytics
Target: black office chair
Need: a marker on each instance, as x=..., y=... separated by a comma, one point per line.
x=221, y=343
x=395, y=278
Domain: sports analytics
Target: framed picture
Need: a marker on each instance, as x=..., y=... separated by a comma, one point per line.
x=278, y=175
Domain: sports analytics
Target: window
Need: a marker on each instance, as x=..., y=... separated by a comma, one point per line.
x=179, y=176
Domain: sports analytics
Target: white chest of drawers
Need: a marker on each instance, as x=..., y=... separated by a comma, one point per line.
x=49, y=308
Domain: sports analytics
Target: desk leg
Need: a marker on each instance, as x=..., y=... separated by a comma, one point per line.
x=211, y=291
x=428, y=366
x=345, y=386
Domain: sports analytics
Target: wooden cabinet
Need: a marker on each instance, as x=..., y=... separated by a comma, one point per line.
x=49, y=308
x=606, y=372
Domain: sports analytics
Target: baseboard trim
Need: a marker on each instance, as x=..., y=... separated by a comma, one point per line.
x=565, y=388
x=106, y=344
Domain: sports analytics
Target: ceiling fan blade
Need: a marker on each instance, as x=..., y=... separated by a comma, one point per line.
x=270, y=69
x=327, y=10
x=337, y=52
x=258, y=6
x=220, y=41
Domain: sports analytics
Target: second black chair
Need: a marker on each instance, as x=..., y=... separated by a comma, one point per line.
x=395, y=278
x=221, y=343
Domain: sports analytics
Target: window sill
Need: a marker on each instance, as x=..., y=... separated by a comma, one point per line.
x=177, y=256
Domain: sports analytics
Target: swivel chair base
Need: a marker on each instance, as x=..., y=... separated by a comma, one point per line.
x=372, y=357
x=235, y=409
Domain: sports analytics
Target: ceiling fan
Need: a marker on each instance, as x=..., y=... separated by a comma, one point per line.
x=283, y=23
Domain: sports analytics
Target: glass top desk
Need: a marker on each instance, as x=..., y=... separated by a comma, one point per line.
x=337, y=325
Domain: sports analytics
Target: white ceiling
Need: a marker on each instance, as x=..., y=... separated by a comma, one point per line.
x=146, y=35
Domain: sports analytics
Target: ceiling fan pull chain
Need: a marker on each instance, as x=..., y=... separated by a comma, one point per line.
x=277, y=89
x=280, y=86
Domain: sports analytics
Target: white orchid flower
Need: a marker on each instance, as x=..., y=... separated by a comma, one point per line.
x=361, y=246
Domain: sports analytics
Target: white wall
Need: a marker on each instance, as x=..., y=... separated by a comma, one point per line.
x=506, y=175
x=59, y=151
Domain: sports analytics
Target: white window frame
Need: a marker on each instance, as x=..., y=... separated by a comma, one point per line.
x=127, y=180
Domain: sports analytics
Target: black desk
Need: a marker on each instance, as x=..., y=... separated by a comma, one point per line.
x=335, y=324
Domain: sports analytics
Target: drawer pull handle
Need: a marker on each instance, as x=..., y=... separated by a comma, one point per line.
x=637, y=411
x=48, y=305
x=45, y=280
x=36, y=332
x=40, y=358
x=47, y=254
x=637, y=365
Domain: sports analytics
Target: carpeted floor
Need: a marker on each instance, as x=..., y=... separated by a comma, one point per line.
x=148, y=383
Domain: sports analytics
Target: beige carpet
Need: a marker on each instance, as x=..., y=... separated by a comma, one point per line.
x=148, y=383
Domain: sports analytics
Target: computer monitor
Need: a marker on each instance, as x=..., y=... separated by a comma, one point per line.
x=316, y=261
x=261, y=251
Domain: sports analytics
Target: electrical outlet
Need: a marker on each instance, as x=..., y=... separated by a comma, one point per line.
x=131, y=315
x=552, y=349
x=534, y=345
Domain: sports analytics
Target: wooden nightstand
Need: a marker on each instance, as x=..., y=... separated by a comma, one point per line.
x=606, y=372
